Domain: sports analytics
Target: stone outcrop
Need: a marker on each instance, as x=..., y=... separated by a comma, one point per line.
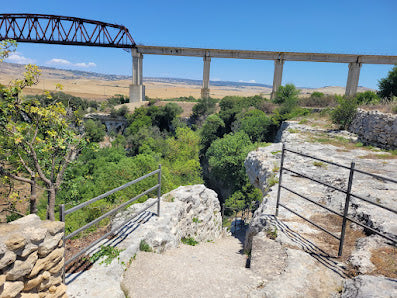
x=375, y=128
x=369, y=286
x=188, y=211
x=31, y=258
x=291, y=232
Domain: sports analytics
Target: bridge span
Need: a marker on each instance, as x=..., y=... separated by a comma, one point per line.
x=54, y=29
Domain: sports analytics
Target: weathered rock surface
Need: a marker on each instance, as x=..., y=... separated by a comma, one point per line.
x=188, y=211
x=370, y=287
x=292, y=232
x=375, y=128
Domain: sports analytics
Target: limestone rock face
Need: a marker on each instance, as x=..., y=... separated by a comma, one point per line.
x=370, y=286
x=292, y=232
x=188, y=211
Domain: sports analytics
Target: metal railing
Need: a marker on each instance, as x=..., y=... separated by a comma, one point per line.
x=63, y=212
x=347, y=192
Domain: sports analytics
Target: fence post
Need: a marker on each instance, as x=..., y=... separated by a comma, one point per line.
x=62, y=219
x=280, y=178
x=347, y=202
x=223, y=210
x=159, y=192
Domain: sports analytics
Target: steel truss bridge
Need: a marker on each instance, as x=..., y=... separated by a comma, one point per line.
x=53, y=29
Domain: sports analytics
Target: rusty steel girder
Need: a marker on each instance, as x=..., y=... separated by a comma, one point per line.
x=53, y=29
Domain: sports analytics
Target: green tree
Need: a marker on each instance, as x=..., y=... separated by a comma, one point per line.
x=203, y=108
x=286, y=93
x=40, y=137
x=388, y=86
x=94, y=130
x=255, y=124
x=212, y=129
x=226, y=159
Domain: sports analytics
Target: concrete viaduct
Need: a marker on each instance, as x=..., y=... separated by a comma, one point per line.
x=137, y=89
x=55, y=29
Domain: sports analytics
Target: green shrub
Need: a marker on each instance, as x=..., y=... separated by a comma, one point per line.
x=318, y=101
x=95, y=130
x=143, y=246
x=108, y=252
x=189, y=241
x=344, y=113
x=367, y=97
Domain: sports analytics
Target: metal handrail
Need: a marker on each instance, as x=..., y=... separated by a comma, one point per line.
x=348, y=193
x=63, y=212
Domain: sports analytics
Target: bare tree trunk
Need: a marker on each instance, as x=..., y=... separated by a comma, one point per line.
x=33, y=195
x=51, y=194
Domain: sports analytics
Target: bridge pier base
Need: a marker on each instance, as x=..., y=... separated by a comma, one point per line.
x=353, y=78
x=137, y=89
x=278, y=76
x=205, y=91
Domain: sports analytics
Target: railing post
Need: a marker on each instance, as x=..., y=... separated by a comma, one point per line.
x=223, y=210
x=62, y=219
x=159, y=192
x=280, y=178
x=347, y=202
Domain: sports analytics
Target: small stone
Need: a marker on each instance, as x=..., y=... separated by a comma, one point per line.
x=57, y=268
x=48, y=262
x=8, y=258
x=28, y=250
x=3, y=249
x=52, y=289
x=16, y=241
x=49, y=244
x=2, y=280
x=32, y=283
x=26, y=220
x=52, y=281
x=22, y=268
x=12, y=289
x=53, y=227
x=35, y=234
x=29, y=295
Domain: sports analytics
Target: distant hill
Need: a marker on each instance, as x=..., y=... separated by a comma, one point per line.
x=100, y=86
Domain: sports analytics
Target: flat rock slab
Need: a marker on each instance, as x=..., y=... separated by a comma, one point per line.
x=206, y=270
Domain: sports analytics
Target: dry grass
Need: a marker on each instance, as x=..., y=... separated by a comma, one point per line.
x=384, y=108
x=385, y=261
x=333, y=223
x=379, y=156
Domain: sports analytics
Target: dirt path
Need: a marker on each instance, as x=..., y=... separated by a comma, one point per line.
x=206, y=270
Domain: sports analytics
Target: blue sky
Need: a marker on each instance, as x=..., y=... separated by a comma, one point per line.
x=363, y=27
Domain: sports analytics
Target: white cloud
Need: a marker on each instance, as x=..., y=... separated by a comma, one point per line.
x=64, y=62
x=17, y=57
x=250, y=81
x=56, y=61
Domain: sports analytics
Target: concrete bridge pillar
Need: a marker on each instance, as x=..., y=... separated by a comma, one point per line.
x=278, y=76
x=137, y=90
x=205, y=91
x=352, y=78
